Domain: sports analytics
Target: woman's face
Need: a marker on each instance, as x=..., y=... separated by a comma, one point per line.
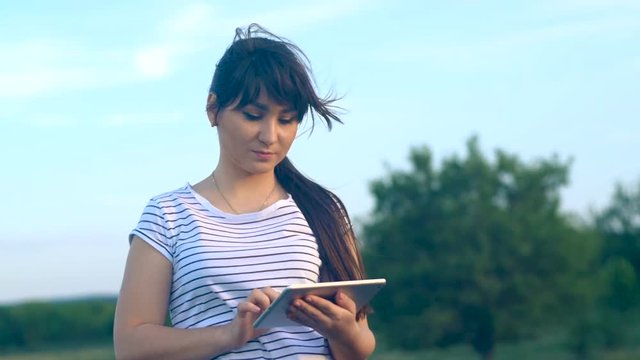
x=255, y=138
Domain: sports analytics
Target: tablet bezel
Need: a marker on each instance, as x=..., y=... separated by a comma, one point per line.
x=361, y=291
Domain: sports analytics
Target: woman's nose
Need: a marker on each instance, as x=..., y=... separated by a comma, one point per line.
x=268, y=131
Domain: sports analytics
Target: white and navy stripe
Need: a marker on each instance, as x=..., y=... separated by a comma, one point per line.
x=218, y=258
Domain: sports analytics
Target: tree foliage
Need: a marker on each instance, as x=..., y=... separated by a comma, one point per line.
x=475, y=250
x=619, y=227
x=35, y=324
x=609, y=320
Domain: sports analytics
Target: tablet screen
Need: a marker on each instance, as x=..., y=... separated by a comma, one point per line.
x=361, y=291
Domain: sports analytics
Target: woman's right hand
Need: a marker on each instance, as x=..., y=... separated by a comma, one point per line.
x=241, y=327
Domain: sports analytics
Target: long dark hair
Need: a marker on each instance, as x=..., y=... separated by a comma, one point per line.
x=258, y=60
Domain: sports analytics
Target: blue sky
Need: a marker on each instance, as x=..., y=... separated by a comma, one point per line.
x=102, y=107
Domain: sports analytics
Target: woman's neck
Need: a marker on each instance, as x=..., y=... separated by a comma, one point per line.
x=237, y=183
x=243, y=193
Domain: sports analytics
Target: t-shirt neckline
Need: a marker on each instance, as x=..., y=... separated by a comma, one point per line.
x=238, y=217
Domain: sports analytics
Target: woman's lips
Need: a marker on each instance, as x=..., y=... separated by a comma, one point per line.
x=263, y=155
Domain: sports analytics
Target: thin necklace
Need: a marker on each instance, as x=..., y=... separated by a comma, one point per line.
x=264, y=204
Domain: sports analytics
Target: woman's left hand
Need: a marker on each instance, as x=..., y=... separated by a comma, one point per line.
x=332, y=320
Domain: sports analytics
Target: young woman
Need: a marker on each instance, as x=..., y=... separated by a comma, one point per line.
x=214, y=255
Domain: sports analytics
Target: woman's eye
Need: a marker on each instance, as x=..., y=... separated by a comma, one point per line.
x=251, y=116
x=287, y=121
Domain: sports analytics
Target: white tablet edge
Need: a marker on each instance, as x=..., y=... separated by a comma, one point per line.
x=298, y=290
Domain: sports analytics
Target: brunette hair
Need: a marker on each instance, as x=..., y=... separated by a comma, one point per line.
x=258, y=60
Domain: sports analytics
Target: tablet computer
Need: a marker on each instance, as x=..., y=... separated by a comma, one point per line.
x=361, y=291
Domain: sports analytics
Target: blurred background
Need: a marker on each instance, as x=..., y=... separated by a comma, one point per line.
x=489, y=157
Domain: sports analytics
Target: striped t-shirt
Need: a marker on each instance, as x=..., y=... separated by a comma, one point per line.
x=218, y=258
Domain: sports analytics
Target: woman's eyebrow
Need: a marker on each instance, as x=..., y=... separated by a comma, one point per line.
x=265, y=107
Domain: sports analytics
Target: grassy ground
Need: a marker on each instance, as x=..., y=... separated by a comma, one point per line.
x=549, y=349
x=506, y=353
x=81, y=352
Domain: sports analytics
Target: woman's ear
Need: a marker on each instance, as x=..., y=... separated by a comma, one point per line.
x=212, y=106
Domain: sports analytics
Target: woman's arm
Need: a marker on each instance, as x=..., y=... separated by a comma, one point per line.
x=348, y=338
x=139, y=331
x=360, y=346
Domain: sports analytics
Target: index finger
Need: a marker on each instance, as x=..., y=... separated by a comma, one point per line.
x=345, y=301
x=325, y=306
x=271, y=293
x=259, y=298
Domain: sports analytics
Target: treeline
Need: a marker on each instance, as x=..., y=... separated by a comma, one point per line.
x=477, y=250
x=37, y=324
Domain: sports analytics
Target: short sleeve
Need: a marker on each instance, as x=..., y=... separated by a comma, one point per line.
x=152, y=228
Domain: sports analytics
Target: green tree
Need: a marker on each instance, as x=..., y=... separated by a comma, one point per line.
x=474, y=251
x=35, y=324
x=11, y=335
x=610, y=319
x=619, y=226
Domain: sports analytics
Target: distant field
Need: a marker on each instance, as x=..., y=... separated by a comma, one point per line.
x=532, y=350
x=84, y=352
x=551, y=348
x=547, y=349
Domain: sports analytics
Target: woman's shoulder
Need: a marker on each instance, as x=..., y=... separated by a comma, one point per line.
x=175, y=195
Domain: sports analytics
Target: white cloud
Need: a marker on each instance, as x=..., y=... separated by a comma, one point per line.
x=53, y=121
x=180, y=36
x=485, y=52
x=192, y=20
x=573, y=6
x=199, y=25
x=142, y=119
x=302, y=15
x=153, y=62
x=36, y=67
x=568, y=30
